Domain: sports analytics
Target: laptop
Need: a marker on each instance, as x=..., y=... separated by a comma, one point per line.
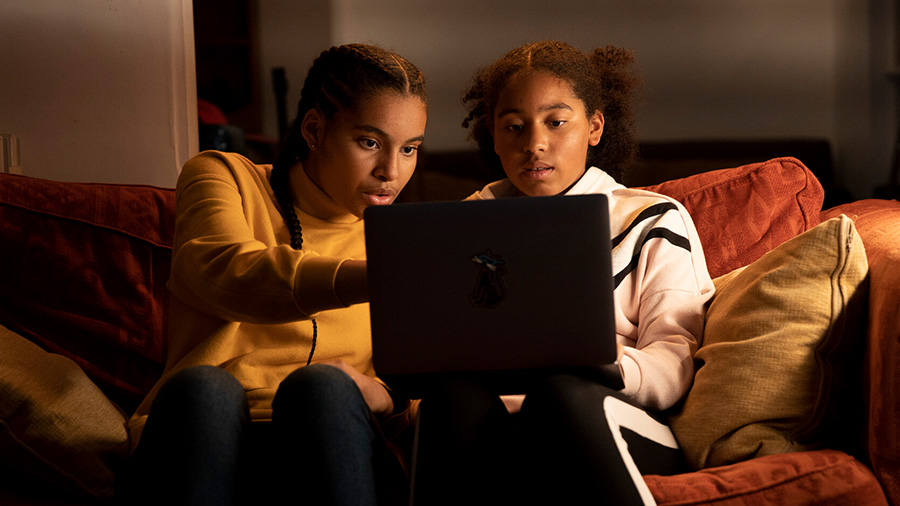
x=504, y=292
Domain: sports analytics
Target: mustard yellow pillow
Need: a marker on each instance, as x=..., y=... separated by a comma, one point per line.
x=58, y=433
x=781, y=352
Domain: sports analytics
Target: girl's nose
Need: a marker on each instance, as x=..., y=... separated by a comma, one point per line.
x=535, y=141
x=388, y=168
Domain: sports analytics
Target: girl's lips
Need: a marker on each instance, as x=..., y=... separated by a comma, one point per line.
x=379, y=196
x=537, y=172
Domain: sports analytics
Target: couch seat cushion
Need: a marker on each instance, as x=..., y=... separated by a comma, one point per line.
x=823, y=477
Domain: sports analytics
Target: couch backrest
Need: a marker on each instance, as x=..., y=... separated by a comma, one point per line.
x=744, y=212
x=84, y=271
x=85, y=265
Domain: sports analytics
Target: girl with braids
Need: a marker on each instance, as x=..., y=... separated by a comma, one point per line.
x=268, y=386
x=559, y=122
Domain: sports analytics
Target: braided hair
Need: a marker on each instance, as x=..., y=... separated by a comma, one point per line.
x=341, y=78
x=603, y=80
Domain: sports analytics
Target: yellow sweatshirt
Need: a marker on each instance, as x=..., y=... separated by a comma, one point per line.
x=241, y=297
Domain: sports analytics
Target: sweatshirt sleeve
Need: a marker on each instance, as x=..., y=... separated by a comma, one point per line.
x=659, y=368
x=672, y=289
x=226, y=261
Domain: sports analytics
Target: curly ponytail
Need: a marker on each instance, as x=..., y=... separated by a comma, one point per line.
x=604, y=80
x=618, y=146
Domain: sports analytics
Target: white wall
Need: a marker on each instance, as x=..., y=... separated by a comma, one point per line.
x=746, y=65
x=103, y=90
x=711, y=68
x=99, y=90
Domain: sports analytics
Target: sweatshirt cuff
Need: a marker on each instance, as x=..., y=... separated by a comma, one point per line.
x=314, y=286
x=631, y=374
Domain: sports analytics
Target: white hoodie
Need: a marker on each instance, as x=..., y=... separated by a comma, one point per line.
x=661, y=285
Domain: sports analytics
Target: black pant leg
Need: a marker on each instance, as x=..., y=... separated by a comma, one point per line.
x=572, y=447
x=461, y=447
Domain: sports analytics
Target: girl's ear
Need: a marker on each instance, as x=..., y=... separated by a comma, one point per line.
x=595, y=122
x=312, y=128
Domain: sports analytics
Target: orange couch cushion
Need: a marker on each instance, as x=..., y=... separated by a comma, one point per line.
x=878, y=224
x=823, y=477
x=84, y=275
x=742, y=213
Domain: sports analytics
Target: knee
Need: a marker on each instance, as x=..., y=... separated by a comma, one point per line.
x=317, y=377
x=319, y=385
x=567, y=396
x=557, y=391
x=204, y=390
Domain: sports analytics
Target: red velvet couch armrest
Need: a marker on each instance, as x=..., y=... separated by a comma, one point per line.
x=878, y=224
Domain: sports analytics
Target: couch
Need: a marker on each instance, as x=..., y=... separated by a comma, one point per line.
x=83, y=318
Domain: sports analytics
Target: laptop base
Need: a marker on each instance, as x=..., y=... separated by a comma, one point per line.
x=417, y=386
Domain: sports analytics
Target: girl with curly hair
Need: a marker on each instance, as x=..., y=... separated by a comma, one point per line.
x=558, y=121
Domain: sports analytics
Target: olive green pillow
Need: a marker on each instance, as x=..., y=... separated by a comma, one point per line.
x=59, y=435
x=780, y=366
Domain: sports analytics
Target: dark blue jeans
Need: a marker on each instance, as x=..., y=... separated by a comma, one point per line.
x=199, y=447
